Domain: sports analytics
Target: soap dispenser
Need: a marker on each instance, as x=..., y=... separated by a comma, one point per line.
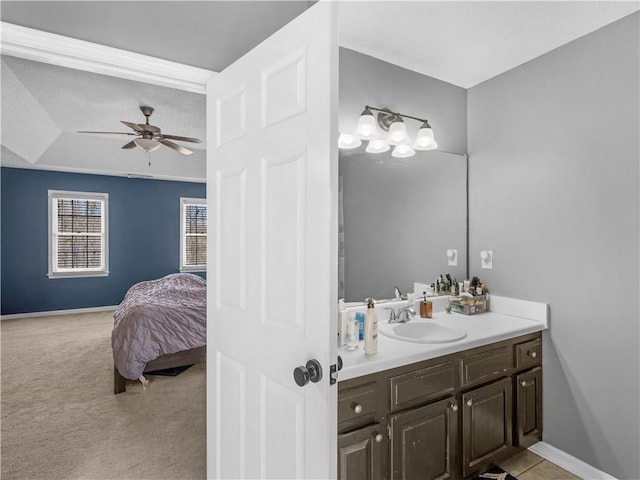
x=370, y=329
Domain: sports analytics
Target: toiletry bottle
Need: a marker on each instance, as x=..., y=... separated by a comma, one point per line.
x=353, y=332
x=426, y=307
x=370, y=329
x=360, y=319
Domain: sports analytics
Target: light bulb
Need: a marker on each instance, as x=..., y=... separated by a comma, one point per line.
x=425, y=140
x=378, y=146
x=347, y=141
x=403, y=151
x=367, y=129
x=147, y=144
x=397, y=132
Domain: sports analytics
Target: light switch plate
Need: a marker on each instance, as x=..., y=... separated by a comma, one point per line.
x=452, y=257
x=486, y=259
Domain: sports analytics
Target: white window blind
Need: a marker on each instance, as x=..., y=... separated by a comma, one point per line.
x=77, y=234
x=193, y=238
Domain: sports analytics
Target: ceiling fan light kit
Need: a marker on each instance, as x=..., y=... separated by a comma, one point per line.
x=150, y=137
x=397, y=136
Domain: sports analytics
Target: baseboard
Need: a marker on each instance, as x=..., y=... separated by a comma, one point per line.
x=51, y=313
x=568, y=462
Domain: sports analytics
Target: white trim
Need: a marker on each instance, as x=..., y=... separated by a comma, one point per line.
x=23, y=42
x=568, y=462
x=53, y=271
x=184, y=201
x=91, y=171
x=52, y=313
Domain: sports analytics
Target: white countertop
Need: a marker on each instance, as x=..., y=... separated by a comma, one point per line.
x=509, y=318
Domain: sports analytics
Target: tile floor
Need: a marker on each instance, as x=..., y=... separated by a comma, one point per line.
x=529, y=466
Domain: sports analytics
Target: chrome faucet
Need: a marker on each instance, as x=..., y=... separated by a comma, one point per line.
x=392, y=315
x=404, y=314
x=398, y=294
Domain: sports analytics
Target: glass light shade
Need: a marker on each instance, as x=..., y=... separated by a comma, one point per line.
x=346, y=141
x=397, y=132
x=378, y=146
x=147, y=144
x=425, y=140
x=403, y=151
x=367, y=128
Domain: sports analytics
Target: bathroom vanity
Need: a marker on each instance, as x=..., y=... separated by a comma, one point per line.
x=443, y=410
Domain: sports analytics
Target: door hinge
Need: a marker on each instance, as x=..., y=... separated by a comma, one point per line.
x=389, y=431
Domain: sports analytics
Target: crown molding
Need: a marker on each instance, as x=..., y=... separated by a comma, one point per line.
x=31, y=44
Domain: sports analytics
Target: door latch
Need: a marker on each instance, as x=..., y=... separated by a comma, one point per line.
x=333, y=371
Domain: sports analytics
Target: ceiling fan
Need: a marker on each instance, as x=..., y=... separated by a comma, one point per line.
x=150, y=137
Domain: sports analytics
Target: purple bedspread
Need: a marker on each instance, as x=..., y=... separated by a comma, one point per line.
x=158, y=317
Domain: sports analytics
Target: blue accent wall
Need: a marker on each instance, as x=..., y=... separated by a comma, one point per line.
x=144, y=238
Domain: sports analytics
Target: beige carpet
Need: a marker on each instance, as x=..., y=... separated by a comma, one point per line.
x=61, y=420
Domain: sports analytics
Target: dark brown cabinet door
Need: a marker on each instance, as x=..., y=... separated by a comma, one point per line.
x=529, y=407
x=362, y=454
x=423, y=442
x=486, y=425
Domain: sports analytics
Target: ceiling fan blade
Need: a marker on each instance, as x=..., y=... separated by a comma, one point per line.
x=183, y=139
x=175, y=146
x=129, y=145
x=110, y=133
x=135, y=126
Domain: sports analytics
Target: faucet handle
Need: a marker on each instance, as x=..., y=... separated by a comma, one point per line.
x=392, y=314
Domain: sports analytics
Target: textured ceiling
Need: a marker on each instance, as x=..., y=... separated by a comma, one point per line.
x=463, y=43
x=205, y=34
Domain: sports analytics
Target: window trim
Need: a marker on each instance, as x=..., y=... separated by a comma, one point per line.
x=53, y=272
x=184, y=201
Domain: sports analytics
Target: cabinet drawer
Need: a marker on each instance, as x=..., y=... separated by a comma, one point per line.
x=357, y=406
x=528, y=354
x=421, y=385
x=485, y=366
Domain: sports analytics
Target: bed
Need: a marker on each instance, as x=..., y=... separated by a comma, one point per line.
x=160, y=324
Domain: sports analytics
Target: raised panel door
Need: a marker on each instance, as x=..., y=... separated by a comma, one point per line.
x=486, y=425
x=529, y=407
x=423, y=442
x=362, y=454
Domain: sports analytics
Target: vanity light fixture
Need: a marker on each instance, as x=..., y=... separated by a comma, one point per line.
x=393, y=123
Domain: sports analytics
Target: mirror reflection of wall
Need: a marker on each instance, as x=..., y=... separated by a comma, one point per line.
x=401, y=215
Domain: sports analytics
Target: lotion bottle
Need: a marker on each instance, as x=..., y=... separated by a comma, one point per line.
x=370, y=329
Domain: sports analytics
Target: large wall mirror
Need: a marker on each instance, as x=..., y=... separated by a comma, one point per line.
x=400, y=216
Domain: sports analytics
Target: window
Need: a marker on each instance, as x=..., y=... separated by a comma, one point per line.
x=78, y=238
x=193, y=234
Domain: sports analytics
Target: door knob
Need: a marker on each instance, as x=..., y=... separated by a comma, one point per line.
x=311, y=371
x=523, y=383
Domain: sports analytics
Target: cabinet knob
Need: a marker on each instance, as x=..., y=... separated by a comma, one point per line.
x=357, y=408
x=379, y=438
x=523, y=383
x=532, y=354
x=469, y=402
x=454, y=407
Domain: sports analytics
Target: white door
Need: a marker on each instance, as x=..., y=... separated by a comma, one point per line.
x=272, y=274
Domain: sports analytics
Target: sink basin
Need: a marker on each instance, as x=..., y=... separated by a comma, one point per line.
x=422, y=332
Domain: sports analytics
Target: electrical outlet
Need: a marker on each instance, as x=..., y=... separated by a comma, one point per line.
x=486, y=259
x=452, y=257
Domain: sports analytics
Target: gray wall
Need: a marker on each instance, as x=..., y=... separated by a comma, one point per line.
x=401, y=215
x=554, y=180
